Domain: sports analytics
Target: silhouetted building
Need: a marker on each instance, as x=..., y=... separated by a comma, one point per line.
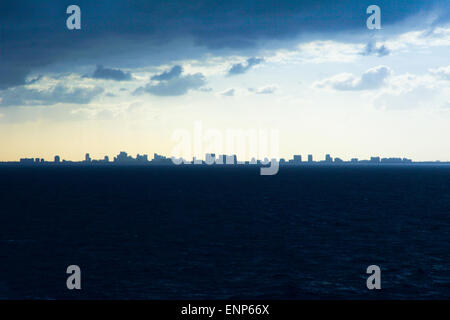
x=123, y=157
x=328, y=158
x=395, y=160
x=375, y=159
x=26, y=160
x=87, y=158
x=158, y=159
x=297, y=159
x=57, y=159
x=391, y=160
x=310, y=158
x=141, y=158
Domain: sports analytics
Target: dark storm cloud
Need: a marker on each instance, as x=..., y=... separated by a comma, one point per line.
x=240, y=68
x=11, y=76
x=34, y=34
x=111, y=74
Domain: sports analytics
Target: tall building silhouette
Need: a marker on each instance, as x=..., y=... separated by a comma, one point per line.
x=375, y=159
x=142, y=158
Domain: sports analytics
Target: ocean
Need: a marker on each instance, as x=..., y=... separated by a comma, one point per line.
x=225, y=233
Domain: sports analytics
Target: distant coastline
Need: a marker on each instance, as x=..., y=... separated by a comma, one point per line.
x=210, y=159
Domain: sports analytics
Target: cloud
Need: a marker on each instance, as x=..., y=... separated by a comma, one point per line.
x=372, y=49
x=34, y=80
x=231, y=25
x=267, y=90
x=425, y=38
x=172, y=83
x=228, y=93
x=319, y=51
x=240, y=68
x=351, y=49
x=93, y=114
x=11, y=76
x=264, y=90
x=371, y=79
x=415, y=98
x=175, y=72
x=442, y=72
x=408, y=91
x=420, y=96
x=23, y=96
x=111, y=74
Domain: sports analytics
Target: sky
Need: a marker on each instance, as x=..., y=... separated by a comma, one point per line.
x=137, y=72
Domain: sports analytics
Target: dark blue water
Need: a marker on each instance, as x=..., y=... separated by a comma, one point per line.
x=179, y=233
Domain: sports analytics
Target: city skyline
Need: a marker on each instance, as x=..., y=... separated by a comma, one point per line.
x=211, y=158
